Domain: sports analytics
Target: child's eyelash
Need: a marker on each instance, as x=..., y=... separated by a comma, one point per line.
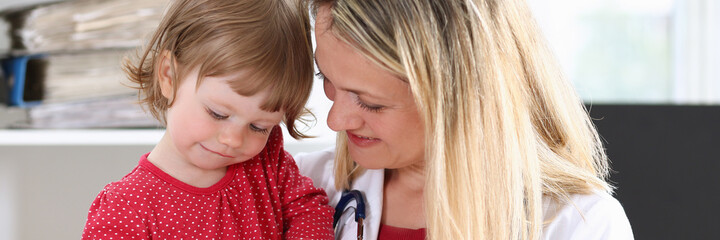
x=218, y=116
x=215, y=115
x=320, y=75
x=259, y=130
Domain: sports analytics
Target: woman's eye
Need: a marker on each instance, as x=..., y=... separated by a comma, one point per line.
x=215, y=115
x=330, y=93
x=258, y=129
x=371, y=108
x=365, y=106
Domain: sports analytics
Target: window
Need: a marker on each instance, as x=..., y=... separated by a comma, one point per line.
x=636, y=51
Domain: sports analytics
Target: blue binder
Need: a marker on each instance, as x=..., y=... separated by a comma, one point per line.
x=15, y=70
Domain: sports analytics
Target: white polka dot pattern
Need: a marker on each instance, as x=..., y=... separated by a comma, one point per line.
x=262, y=198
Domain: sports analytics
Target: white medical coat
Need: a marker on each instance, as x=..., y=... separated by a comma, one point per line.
x=598, y=216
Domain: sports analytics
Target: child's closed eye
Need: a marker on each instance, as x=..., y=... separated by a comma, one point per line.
x=215, y=115
x=259, y=129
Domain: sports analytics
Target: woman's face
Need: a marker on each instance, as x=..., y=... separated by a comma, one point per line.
x=374, y=107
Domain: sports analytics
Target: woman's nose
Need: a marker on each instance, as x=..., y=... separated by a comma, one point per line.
x=343, y=116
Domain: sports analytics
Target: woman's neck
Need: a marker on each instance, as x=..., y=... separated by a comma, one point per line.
x=403, y=197
x=410, y=178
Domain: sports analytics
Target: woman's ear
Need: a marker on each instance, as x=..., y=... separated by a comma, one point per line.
x=165, y=74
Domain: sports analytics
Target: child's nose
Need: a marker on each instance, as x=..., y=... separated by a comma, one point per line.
x=232, y=136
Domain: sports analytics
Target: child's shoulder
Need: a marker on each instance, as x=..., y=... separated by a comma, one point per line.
x=273, y=159
x=275, y=141
x=139, y=183
x=274, y=150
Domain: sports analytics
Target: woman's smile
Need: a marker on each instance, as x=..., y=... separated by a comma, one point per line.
x=362, y=141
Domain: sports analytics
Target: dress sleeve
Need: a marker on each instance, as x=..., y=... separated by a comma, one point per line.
x=306, y=212
x=111, y=217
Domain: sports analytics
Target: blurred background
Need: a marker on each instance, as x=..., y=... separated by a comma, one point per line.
x=648, y=71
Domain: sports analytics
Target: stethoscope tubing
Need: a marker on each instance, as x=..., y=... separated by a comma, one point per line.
x=345, y=199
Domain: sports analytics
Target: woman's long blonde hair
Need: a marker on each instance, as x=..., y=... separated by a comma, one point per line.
x=503, y=127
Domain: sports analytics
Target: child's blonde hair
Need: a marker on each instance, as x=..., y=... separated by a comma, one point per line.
x=268, y=38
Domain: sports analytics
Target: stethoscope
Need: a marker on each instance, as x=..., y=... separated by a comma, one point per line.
x=342, y=207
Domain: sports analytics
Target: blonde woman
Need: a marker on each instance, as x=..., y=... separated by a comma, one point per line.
x=455, y=122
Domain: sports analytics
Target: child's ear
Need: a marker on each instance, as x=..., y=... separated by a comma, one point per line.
x=165, y=74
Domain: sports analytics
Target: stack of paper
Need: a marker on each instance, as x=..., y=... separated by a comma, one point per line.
x=70, y=54
x=111, y=112
x=82, y=75
x=90, y=24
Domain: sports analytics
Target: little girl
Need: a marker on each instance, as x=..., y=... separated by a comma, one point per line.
x=221, y=75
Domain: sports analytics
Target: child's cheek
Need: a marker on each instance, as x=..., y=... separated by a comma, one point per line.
x=255, y=145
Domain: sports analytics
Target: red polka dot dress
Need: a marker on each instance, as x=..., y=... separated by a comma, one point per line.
x=262, y=198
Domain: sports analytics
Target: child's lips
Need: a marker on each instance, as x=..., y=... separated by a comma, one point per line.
x=220, y=154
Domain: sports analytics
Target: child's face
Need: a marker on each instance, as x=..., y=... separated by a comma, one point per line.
x=215, y=127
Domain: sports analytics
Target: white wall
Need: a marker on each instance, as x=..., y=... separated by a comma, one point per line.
x=45, y=191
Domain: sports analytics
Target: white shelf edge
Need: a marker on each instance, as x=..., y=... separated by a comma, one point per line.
x=124, y=137
x=34, y=137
